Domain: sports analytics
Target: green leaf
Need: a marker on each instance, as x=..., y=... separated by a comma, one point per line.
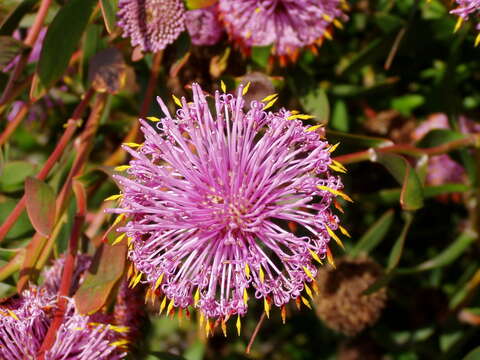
x=316, y=103
x=6, y=291
x=22, y=225
x=10, y=23
x=473, y=355
x=261, y=54
x=374, y=235
x=447, y=256
x=62, y=39
x=411, y=196
x=397, y=250
x=438, y=137
x=339, y=119
x=109, y=9
x=14, y=174
x=407, y=103
x=198, y=4
x=9, y=49
x=40, y=202
x=359, y=141
x=13, y=265
x=106, y=269
x=7, y=254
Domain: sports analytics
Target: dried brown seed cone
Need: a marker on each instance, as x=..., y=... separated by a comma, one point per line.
x=340, y=303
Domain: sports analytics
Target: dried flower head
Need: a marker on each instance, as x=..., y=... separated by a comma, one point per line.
x=288, y=25
x=464, y=10
x=341, y=303
x=203, y=26
x=209, y=196
x=151, y=24
x=25, y=322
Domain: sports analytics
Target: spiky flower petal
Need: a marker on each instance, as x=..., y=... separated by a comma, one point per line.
x=211, y=197
x=151, y=24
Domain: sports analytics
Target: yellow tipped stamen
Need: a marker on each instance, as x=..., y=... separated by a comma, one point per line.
x=132, y=145
x=270, y=104
x=245, y=89
x=458, y=25
x=335, y=237
x=113, y=197
x=294, y=112
x=283, y=313
x=223, y=86
x=122, y=168
x=224, y=328
x=196, y=297
x=327, y=34
x=258, y=9
x=176, y=100
x=313, y=128
x=12, y=314
x=239, y=325
x=119, y=329
x=335, y=192
x=315, y=256
x=332, y=148
x=338, y=24
x=315, y=287
x=261, y=274
x=269, y=97
x=170, y=306
x=147, y=295
x=118, y=219
x=137, y=279
x=130, y=271
x=248, y=34
x=306, y=303
x=298, y=303
x=340, y=165
x=300, y=116
x=247, y=271
x=153, y=118
x=129, y=242
x=162, y=305
x=330, y=258
x=119, y=239
x=336, y=168
x=202, y=319
x=338, y=206
x=477, y=40
x=119, y=343
x=245, y=296
x=308, y=291
x=158, y=282
x=344, y=231
x=266, y=307
x=308, y=272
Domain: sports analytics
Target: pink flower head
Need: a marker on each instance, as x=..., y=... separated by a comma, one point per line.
x=467, y=8
x=151, y=24
x=288, y=25
x=211, y=196
x=203, y=26
x=24, y=324
x=53, y=274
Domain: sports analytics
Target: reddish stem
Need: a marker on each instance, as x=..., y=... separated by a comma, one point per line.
x=52, y=159
x=255, y=333
x=67, y=274
x=12, y=125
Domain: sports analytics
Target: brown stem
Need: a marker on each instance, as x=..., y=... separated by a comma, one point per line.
x=66, y=281
x=255, y=333
x=119, y=155
x=29, y=41
x=52, y=159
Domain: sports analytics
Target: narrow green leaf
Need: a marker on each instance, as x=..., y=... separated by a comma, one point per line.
x=340, y=117
x=447, y=256
x=473, y=355
x=354, y=140
x=106, y=269
x=13, y=265
x=397, y=250
x=261, y=54
x=411, y=196
x=40, y=201
x=8, y=254
x=438, y=137
x=374, y=235
x=316, y=103
x=9, y=49
x=62, y=39
x=109, y=9
x=22, y=226
x=10, y=23
x=14, y=174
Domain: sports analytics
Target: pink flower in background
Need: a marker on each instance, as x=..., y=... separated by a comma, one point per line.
x=209, y=197
x=203, y=26
x=151, y=24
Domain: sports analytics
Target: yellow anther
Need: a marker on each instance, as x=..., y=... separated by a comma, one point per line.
x=247, y=271
x=294, y=112
x=327, y=35
x=118, y=219
x=308, y=272
x=333, y=147
x=340, y=165
x=270, y=104
x=315, y=287
x=162, y=305
x=170, y=306
x=330, y=258
x=202, y=319
x=477, y=40
x=283, y=313
x=258, y=9
x=337, y=23
x=458, y=25
x=300, y=116
x=147, y=295
x=239, y=325
x=266, y=306
x=336, y=168
x=335, y=192
x=132, y=145
x=176, y=100
x=158, y=282
x=344, y=231
x=12, y=314
x=245, y=296
x=119, y=343
x=269, y=97
x=122, y=168
x=130, y=271
x=223, y=86
x=315, y=256
x=224, y=328
x=113, y=197
x=245, y=89
x=196, y=297
x=335, y=237
x=248, y=34
x=308, y=291
x=153, y=118
x=119, y=239
x=129, y=242
x=261, y=274
x=137, y=279
x=306, y=303
x=313, y=128
x=327, y=18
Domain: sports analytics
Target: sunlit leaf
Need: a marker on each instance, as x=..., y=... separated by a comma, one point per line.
x=40, y=202
x=109, y=9
x=14, y=174
x=316, y=103
x=10, y=23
